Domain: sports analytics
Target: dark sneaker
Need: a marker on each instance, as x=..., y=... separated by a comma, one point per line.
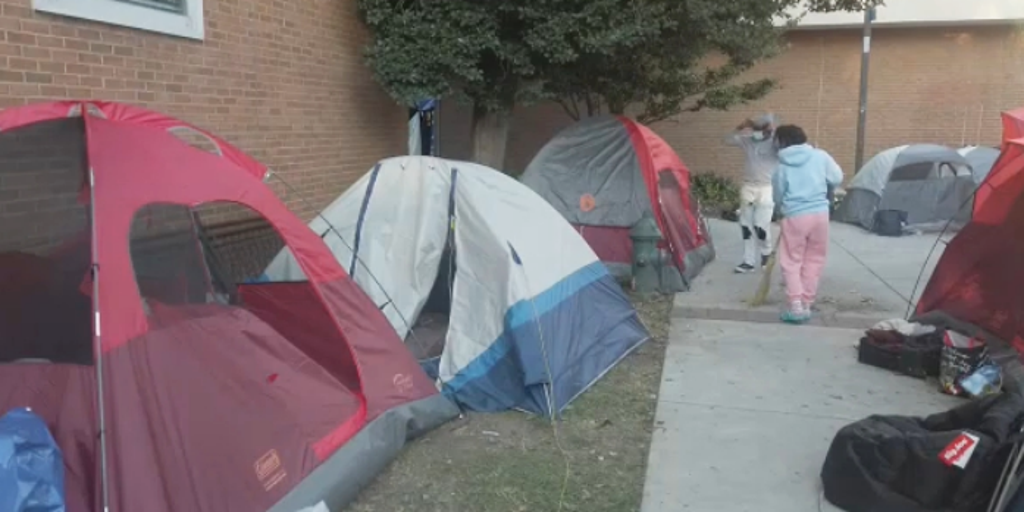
x=744, y=268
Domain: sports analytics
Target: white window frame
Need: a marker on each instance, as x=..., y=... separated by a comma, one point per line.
x=116, y=12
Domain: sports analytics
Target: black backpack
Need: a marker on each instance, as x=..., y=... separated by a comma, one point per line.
x=906, y=464
x=889, y=222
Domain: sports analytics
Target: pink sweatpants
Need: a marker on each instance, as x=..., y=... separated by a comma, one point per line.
x=802, y=254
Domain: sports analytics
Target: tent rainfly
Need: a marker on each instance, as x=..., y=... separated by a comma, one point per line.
x=932, y=184
x=494, y=291
x=978, y=279
x=130, y=325
x=604, y=174
x=980, y=159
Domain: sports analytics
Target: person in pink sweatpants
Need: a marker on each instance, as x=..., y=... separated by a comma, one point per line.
x=801, y=185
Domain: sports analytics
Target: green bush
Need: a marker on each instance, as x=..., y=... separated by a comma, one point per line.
x=719, y=196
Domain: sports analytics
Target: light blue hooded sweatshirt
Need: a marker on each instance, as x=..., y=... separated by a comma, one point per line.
x=802, y=179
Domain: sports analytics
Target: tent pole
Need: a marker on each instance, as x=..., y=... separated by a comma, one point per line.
x=865, y=61
x=98, y=347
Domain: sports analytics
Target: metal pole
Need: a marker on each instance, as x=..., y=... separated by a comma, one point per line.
x=98, y=346
x=865, y=61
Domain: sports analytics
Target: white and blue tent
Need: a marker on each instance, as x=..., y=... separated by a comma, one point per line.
x=499, y=297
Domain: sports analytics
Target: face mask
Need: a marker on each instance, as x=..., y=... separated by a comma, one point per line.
x=758, y=136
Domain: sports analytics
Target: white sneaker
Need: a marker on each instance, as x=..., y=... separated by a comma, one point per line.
x=797, y=313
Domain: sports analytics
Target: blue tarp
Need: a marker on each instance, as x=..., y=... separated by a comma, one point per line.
x=31, y=465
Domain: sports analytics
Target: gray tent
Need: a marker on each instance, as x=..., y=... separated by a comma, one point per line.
x=981, y=159
x=604, y=174
x=933, y=184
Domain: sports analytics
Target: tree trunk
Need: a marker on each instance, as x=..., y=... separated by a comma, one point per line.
x=490, y=136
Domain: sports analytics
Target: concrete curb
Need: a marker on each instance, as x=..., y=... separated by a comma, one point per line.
x=768, y=316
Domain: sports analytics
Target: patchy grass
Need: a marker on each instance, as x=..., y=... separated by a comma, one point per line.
x=513, y=462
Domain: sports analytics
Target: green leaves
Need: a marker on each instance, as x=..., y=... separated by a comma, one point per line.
x=719, y=195
x=690, y=57
x=662, y=56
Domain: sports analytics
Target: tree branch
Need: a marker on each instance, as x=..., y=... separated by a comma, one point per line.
x=571, y=112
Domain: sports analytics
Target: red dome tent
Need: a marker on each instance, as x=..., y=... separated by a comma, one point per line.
x=604, y=174
x=979, y=278
x=129, y=255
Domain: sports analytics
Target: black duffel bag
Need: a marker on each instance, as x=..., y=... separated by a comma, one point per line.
x=914, y=356
x=946, y=462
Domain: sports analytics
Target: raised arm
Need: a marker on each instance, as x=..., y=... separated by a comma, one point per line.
x=741, y=135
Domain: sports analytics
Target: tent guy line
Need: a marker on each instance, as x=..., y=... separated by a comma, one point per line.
x=870, y=270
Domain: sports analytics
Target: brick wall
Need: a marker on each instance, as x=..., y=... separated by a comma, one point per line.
x=943, y=85
x=283, y=80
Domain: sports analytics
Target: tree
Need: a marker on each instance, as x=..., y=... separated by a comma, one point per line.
x=498, y=54
x=489, y=53
x=691, y=62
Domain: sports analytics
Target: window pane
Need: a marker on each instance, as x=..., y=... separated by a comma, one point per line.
x=45, y=245
x=165, y=5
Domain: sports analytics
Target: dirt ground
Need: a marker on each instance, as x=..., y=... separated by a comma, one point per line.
x=593, y=461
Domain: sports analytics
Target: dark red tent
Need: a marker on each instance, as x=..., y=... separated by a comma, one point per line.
x=1013, y=124
x=980, y=276
x=130, y=255
x=603, y=174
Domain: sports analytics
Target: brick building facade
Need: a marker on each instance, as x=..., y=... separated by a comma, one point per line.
x=944, y=85
x=283, y=80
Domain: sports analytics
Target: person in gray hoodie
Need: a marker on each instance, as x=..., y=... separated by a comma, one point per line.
x=756, y=139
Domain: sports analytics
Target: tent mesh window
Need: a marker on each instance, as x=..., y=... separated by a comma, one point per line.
x=215, y=255
x=197, y=255
x=912, y=172
x=168, y=258
x=242, y=241
x=45, y=245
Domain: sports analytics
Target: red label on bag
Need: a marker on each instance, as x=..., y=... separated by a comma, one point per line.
x=959, y=452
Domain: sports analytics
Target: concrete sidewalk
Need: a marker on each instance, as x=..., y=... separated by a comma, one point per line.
x=746, y=413
x=748, y=406
x=867, y=278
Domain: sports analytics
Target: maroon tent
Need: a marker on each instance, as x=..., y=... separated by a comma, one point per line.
x=130, y=264
x=979, y=278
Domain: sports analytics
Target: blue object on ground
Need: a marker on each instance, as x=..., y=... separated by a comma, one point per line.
x=985, y=380
x=31, y=465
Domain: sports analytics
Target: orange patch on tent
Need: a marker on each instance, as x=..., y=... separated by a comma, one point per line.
x=587, y=202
